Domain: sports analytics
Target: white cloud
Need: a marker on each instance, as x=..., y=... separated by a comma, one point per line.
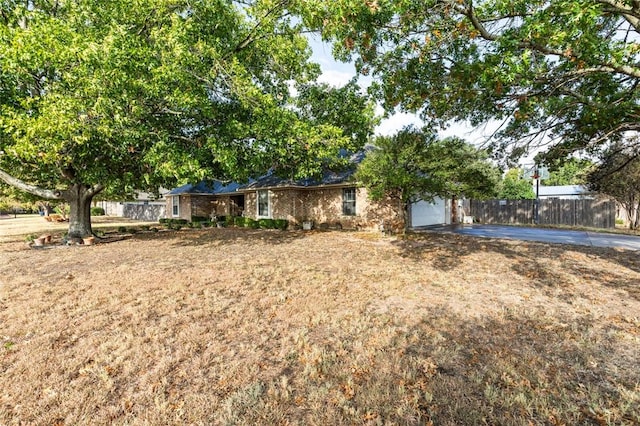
x=390, y=126
x=335, y=78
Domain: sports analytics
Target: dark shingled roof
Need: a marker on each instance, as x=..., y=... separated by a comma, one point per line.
x=329, y=177
x=214, y=187
x=270, y=180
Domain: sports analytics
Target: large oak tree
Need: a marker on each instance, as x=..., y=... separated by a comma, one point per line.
x=104, y=97
x=562, y=73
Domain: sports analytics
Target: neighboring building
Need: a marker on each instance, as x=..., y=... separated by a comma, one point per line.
x=145, y=207
x=565, y=192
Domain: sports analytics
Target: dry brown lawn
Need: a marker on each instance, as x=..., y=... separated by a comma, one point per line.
x=15, y=229
x=244, y=327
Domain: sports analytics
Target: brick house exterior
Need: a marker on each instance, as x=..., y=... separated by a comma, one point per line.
x=325, y=206
x=331, y=201
x=205, y=199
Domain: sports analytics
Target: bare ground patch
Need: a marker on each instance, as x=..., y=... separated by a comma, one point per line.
x=227, y=326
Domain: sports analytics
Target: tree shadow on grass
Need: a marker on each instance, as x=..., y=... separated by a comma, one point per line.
x=515, y=368
x=446, y=251
x=224, y=236
x=509, y=368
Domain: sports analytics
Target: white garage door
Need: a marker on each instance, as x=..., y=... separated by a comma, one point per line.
x=425, y=213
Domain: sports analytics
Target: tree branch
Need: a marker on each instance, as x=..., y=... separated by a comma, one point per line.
x=23, y=186
x=250, y=38
x=606, y=67
x=95, y=190
x=630, y=14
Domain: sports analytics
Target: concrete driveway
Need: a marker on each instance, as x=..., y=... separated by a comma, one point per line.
x=557, y=236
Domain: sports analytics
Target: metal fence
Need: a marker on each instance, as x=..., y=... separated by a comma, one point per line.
x=590, y=213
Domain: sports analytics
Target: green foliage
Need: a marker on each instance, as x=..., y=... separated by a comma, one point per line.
x=5, y=206
x=564, y=73
x=573, y=171
x=266, y=224
x=343, y=107
x=618, y=176
x=514, y=187
x=174, y=223
x=97, y=211
x=281, y=224
x=108, y=97
x=414, y=165
x=251, y=223
x=199, y=219
x=395, y=168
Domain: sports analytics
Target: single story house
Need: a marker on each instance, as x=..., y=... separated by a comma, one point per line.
x=333, y=200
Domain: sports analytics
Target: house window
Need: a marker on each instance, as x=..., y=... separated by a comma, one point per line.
x=263, y=203
x=175, y=203
x=349, y=201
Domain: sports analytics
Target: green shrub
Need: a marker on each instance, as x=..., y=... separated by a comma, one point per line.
x=205, y=224
x=239, y=221
x=122, y=229
x=251, y=223
x=164, y=220
x=180, y=221
x=97, y=211
x=199, y=218
x=145, y=227
x=281, y=224
x=619, y=221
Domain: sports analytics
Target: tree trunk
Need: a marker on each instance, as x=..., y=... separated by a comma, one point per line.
x=634, y=218
x=404, y=206
x=79, y=198
x=454, y=209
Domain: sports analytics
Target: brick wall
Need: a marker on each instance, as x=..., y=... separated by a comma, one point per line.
x=191, y=205
x=324, y=206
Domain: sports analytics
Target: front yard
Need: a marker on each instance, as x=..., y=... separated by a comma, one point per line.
x=235, y=326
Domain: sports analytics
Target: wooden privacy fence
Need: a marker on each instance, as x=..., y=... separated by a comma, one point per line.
x=577, y=212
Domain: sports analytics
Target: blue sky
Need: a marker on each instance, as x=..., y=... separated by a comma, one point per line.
x=337, y=74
